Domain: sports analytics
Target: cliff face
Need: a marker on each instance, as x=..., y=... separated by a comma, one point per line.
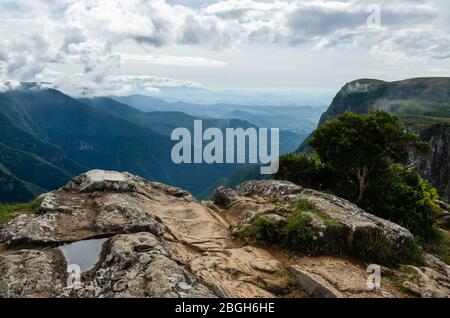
x=158, y=241
x=423, y=105
x=436, y=166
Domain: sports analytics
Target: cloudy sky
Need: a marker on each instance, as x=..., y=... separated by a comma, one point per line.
x=249, y=51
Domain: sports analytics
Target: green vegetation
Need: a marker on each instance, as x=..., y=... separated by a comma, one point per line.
x=420, y=104
x=304, y=205
x=33, y=169
x=308, y=170
x=261, y=231
x=374, y=247
x=9, y=211
x=422, y=123
x=439, y=245
x=403, y=197
x=16, y=132
x=297, y=233
x=55, y=137
x=418, y=97
x=411, y=107
x=437, y=129
x=360, y=157
x=397, y=280
x=362, y=145
x=13, y=189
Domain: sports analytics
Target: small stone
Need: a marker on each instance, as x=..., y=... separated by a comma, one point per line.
x=411, y=287
x=266, y=265
x=184, y=286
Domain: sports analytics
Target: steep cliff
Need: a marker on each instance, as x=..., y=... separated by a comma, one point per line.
x=436, y=166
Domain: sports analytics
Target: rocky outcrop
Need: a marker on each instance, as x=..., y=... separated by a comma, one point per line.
x=335, y=224
x=162, y=242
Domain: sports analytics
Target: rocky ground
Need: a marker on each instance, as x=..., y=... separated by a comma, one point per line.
x=162, y=242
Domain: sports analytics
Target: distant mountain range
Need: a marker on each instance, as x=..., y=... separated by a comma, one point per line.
x=423, y=106
x=47, y=137
x=298, y=119
x=165, y=122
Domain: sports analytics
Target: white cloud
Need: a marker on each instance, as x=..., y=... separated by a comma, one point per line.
x=79, y=84
x=170, y=60
x=89, y=32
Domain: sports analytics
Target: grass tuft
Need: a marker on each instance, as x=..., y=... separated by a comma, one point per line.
x=9, y=211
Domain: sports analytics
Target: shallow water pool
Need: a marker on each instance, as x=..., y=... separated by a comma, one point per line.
x=83, y=253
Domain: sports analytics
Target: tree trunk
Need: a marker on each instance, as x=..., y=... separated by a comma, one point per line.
x=361, y=174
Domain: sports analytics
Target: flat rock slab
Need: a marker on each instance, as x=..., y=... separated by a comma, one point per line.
x=328, y=277
x=32, y=274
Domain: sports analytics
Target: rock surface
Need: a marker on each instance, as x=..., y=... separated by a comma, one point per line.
x=429, y=281
x=32, y=273
x=340, y=225
x=162, y=242
x=330, y=277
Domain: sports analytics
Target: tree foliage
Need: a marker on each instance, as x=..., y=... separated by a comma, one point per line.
x=403, y=197
x=362, y=145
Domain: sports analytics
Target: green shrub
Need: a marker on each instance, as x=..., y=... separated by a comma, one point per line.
x=306, y=170
x=360, y=146
x=374, y=247
x=299, y=235
x=397, y=194
x=305, y=205
x=403, y=197
x=377, y=182
x=262, y=231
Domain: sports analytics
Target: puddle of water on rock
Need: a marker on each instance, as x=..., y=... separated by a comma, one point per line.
x=83, y=253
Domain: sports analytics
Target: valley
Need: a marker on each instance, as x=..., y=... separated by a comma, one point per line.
x=48, y=135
